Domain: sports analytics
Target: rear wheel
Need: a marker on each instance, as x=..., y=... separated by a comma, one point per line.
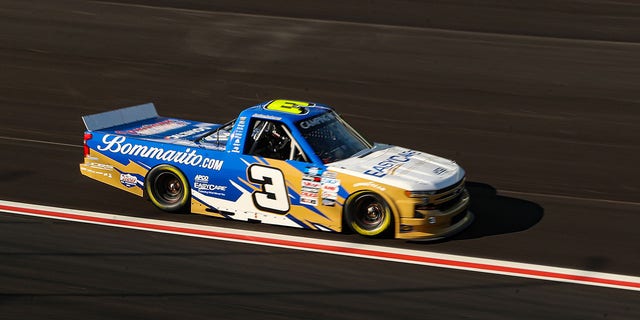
x=167, y=188
x=368, y=214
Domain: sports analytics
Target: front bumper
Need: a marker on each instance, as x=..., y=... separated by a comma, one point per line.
x=425, y=234
x=436, y=224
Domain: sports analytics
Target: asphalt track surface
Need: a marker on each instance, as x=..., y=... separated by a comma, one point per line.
x=537, y=100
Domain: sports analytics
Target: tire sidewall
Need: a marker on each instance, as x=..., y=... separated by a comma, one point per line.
x=351, y=221
x=151, y=188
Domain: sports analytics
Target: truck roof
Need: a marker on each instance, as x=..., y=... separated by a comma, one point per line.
x=288, y=110
x=143, y=121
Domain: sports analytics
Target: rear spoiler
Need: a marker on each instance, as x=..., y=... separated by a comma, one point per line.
x=118, y=117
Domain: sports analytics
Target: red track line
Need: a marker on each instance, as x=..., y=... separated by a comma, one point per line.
x=330, y=248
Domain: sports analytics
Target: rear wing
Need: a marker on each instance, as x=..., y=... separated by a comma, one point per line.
x=118, y=117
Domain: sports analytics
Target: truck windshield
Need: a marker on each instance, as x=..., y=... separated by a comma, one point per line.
x=331, y=138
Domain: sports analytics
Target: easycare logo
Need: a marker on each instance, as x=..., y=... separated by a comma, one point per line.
x=118, y=144
x=381, y=168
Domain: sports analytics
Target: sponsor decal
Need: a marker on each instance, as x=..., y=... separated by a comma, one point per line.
x=308, y=194
x=266, y=116
x=439, y=170
x=329, y=174
x=209, y=187
x=310, y=190
x=98, y=173
x=236, y=145
x=308, y=200
x=370, y=184
x=321, y=119
x=128, y=180
x=330, y=188
x=117, y=144
x=201, y=184
x=330, y=196
x=102, y=166
x=329, y=181
x=311, y=184
x=188, y=133
x=328, y=202
x=155, y=128
x=313, y=172
x=238, y=134
x=382, y=168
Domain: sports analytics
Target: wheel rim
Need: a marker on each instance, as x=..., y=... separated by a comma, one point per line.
x=169, y=187
x=369, y=212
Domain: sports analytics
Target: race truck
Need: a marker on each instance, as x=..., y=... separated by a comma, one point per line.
x=282, y=162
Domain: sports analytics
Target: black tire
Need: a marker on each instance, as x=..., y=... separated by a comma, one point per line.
x=167, y=188
x=368, y=214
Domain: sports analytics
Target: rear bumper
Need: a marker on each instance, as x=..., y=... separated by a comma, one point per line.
x=128, y=178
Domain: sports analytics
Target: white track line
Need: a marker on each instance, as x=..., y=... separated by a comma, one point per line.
x=42, y=142
x=509, y=268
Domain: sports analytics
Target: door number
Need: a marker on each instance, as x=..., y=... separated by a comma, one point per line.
x=273, y=196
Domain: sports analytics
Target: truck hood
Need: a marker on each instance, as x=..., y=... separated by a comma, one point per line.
x=401, y=167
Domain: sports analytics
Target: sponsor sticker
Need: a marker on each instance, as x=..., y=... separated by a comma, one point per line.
x=102, y=166
x=238, y=134
x=310, y=187
x=266, y=116
x=313, y=171
x=370, y=185
x=332, y=182
x=321, y=119
x=329, y=174
x=155, y=128
x=187, y=133
x=308, y=194
x=330, y=188
x=209, y=187
x=309, y=201
x=201, y=184
x=311, y=184
x=329, y=196
x=128, y=180
x=439, y=170
x=118, y=144
x=382, y=168
x=91, y=171
x=328, y=202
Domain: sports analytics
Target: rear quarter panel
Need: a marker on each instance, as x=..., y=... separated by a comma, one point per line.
x=124, y=161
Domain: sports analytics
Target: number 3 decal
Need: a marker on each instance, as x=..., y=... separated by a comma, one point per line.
x=273, y=197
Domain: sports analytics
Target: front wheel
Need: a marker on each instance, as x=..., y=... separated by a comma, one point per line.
x=167, y=188
x=367, y=213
